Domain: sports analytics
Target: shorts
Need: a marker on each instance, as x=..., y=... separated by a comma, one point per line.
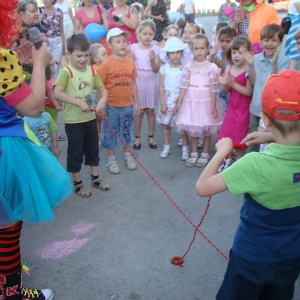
x=120, y=121
x=82, y=144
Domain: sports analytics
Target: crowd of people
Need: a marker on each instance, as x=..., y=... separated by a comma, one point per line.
x=238, y=83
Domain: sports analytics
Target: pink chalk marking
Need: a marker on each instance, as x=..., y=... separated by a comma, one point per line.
x=82, y=227
x=60, y=249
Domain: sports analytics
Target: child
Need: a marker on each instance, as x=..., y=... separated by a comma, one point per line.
x=261, y=66
x=265, y=257
x=118, y=73
x=297, y=38
x=221, y=59
x=74, y=87
x=199, y=112
x=170, y=31
x=145, y=56
x=51, y=104
x=97, y=56
x=170, y=77
x=32, y=181
x=45, y=129
x=237, y=116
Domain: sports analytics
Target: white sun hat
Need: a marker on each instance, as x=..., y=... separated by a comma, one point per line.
x=174, y=44
x=115, y=32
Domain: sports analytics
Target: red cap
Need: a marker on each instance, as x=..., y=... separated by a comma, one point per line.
x=282, y=91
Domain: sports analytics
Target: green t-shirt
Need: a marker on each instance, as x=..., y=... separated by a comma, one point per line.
x=80, y=85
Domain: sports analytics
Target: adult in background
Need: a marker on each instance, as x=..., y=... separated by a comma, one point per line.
x=178, y=19
x=124, y=17
x=29, y=17
x=291, y=44
x=189, y=11
x=222, y=16
x=66, y=8
x=52, y=23
x=251, y=17
x=157, y=10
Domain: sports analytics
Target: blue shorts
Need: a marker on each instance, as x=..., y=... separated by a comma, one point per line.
x=248, y=280
x=121, y=121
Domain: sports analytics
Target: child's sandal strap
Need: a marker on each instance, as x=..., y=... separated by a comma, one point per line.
x=82, y=192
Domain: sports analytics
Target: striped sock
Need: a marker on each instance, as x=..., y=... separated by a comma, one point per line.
x=10, y=256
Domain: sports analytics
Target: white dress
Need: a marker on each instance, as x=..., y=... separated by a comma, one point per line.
x=173, y=80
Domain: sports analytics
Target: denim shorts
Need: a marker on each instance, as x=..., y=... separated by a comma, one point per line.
x=120, y=120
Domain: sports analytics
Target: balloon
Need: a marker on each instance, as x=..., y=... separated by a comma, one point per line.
x=95, y=32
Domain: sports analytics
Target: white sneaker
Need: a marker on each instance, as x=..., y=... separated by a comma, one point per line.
x=179, y=142
x=165, y=153
x=200, y=143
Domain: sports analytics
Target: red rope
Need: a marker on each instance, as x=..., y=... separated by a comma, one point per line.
x=175, y=258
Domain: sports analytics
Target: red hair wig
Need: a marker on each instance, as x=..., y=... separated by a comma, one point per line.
x=8, y=28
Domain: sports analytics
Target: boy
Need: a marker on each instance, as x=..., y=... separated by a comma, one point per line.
x=265, y=257
x=261, y=66
x=74, y=87
x=118, y=73
x=45, y=129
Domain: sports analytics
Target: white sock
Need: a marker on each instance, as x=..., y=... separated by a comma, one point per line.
x=127, y=154
x=185, y=148
x=167, y=147
x=111, y=158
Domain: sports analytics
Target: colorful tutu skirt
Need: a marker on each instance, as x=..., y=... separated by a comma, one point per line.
x=32, y=181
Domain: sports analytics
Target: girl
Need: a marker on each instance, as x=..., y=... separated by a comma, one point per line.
x=97, y=56
x=170, y=77
x=199, y=112
x=220, y=58
x=170, y=31
x=145, y=56
x=237, y=117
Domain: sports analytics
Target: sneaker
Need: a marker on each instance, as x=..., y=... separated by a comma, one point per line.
x=165, y=153
x=179, y=142
x=200, y=143
x=113, y=167
x=60, y=137
x=29, y=294
x=129, y=162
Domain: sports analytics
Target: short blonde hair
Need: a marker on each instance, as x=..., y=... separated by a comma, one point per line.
x=172, y=26
x=93, y=52
x=144, y=24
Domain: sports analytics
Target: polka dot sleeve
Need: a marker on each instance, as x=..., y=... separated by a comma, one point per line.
x=12, y=86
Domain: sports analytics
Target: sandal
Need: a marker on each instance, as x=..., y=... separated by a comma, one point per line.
x=185, y=155
x=129, y=162
x=83, y=192
x=203, y=160
x=191, y=162
x=165, y=152
x=113, y=167
x=137, y=146
x=152, y=145
x=103, y=186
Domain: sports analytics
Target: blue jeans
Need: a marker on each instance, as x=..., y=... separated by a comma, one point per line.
x=246, y=280
x=121, y=122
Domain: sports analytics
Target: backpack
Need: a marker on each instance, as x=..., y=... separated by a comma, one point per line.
x=286, y=24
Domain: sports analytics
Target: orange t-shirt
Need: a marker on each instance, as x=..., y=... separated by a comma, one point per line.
x=262, y=15
x=117, y=76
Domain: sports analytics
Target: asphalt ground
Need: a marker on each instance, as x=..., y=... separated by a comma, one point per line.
x=117, y=245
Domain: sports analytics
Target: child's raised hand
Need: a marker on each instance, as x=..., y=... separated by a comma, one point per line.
x=230, y=80
x=225, y=145
x=152, y=55
x=213, y=51
x=223, y=79
x=249, y=57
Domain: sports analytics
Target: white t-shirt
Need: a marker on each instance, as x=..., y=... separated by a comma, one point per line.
x=292, y=9
x=65, y=6
x=188, y=6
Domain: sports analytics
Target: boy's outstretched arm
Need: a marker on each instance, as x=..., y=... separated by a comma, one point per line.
x=210, y=181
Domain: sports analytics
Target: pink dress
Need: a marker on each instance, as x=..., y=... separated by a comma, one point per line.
x=237, y=117
x=147, y=80
x=195, y=114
